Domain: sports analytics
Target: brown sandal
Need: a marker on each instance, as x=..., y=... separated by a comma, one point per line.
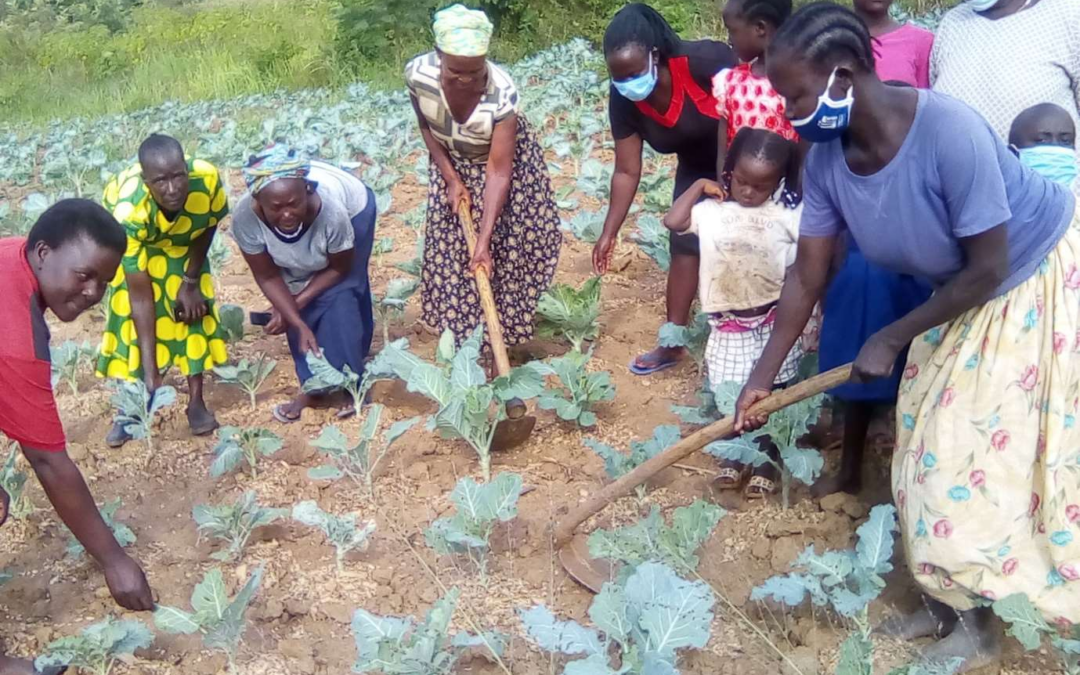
x=730, y=476
x=759, y=488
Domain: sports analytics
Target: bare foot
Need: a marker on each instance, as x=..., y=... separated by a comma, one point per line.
x=973, y=640
x=201, y=420
x=838, y=482
x=933, y=620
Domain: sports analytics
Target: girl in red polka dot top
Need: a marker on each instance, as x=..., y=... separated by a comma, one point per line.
x=744, y=96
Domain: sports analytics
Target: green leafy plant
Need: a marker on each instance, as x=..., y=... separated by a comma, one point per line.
x=415, y=265
x=220, y=620
x=1026, y=623
x=357, y=460
x=68, y=360
x=6, y=575
x=784, y=429
x=136, y=409
x=123, y=534
x=218, y=254
x=480, y=507
x=645, y=621
x=231, y=320
x=13, y=482
x=586, y=226
x=651, y=539
x=391, y=306
x=469, y=406
x=326, y=378
x=652, y=237
x=342, y=531
x=594, y=178
x=250, y=376
x=950, y=667
x=704, y=413
x=570, y=313
x=578, y=392
x=389, y=644
x=236, y=445
x=234, y=523
x=98, y=647
x=618, y=464
x=694, y=337
x=847, y=581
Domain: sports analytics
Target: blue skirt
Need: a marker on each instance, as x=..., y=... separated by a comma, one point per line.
x=863, y=299
x=341, y=317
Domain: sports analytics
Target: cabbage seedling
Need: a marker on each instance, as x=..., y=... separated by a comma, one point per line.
x=13, y=482
x=231, y=320
x=653, y=238
x=357, y=461
x=98, y=647
x=579, y=391
x=571, y=313
x=236, y=445
x=68, y=360
x=234, y=523
x=618, y=464
x=1026, y=623
x=250, y=376
x=391, y=306
x=340, y=530
x=123, y=534
x=136, y=408
x=694, y=338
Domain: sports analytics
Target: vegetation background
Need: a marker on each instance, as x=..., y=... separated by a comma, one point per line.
x=67, y=58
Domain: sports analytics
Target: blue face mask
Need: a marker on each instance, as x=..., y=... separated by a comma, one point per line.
x=829, y=120
x=638, y=88
x=1053, y=162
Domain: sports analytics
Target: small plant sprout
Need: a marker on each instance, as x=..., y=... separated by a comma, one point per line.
x=219, y=620
x=342, y=531
x=68, y=360
x=250, y=376
x=469, y=406
x=784, y=429
x=326, y=378
x=645, y=621
x=694, y=338
x=98, y=647
x=652, y=237
x=651, y=539
x=123, y=534
x=848, y=581
x=391, y=306
x=415, y=265
x=618, y=464
x=1026, y=623
x=357, y=461
x=570, y=313
x=234, y=523
x=480, y=507
x=136, y=409
x=578, y=392
x=231, y=320
x=236, y=445
x=13, y=482
x=704, y=413
x=389, y=644
x=586, y=226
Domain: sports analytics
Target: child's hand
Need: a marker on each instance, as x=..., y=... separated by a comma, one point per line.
x=714, y=189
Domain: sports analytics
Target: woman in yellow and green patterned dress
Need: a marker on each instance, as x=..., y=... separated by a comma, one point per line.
x=161, y=312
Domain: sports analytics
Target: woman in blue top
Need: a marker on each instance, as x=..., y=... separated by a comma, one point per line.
x=986, y=447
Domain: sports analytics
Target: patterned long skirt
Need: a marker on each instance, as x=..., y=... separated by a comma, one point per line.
x=986, y=472
x=524, y=247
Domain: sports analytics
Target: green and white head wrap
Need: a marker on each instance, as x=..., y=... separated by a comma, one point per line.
x=274, y=163
x=460, y=31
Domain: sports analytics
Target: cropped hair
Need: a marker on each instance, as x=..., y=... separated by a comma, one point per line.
x=159, y=145
x=70, y=219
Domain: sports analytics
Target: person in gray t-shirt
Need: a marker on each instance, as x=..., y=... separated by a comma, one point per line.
x=306, y=230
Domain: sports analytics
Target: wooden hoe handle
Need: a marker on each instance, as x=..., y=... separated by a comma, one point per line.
x=487, y=300
x=699, y=439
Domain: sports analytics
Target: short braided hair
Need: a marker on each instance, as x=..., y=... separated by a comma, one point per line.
x=822, y=33
x=774, y=12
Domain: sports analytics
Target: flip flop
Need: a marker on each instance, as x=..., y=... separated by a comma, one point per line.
x=51, y=670
x=280, y=416
x=655, y=368
x=345, y=413
x=730, y=477
x=759, y=488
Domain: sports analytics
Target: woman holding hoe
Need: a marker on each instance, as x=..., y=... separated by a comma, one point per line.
x=64, y=265
x=483, y=154
x=988, y=400
x=661, y=95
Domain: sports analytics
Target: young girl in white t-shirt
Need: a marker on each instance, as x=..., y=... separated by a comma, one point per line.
x=748, y=224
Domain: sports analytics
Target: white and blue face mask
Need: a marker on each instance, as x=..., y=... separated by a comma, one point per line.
x=982, y=5
x=638, y=88
x=830, y=119
x=1053, y=162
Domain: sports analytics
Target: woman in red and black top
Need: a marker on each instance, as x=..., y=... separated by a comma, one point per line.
x=660, y=95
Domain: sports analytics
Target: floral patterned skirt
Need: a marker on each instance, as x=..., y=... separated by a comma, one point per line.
x=986, y=472
x=524, y=247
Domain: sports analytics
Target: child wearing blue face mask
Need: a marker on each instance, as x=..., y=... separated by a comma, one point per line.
x=1044, y=136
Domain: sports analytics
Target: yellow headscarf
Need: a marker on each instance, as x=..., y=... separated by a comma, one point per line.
x=460, y=31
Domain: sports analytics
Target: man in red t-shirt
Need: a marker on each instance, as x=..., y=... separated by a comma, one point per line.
x=64, y=265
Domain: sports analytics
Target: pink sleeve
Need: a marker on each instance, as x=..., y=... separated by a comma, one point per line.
x=922, y=62
x=719, y=91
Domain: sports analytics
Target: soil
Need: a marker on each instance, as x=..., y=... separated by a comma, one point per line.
x=299, y=621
